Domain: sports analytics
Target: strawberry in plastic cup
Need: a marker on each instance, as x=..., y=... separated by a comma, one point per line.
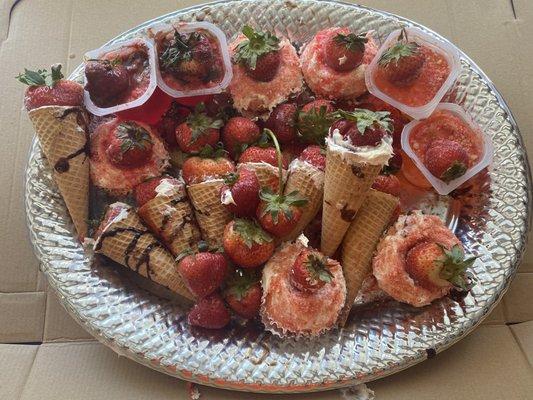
x=151, y=111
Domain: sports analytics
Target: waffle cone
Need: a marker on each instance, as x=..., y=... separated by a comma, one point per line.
x=360, y=243
x=128, y=242
x=211, y=214
x=309, y=182
x=267, y=175
x=346, y=185
x=61, y=133
x=171, y=219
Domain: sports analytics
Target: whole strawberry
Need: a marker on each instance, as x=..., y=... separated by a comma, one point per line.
x=210, y=163
x=258, y=54
x=387, y=184
x=198, y=131
x=166, y=126
x=314, y=121
x=368, y=128
x=402, y=63
x=247, y=244
x=240, y=193
x=278, y=213
x=107, y=81
x=50, y=89
x=130, y=145
x=432, y=266
x=243, y=293
x=282, y=121
x=446, y=159
x=258, y=154
x=203, y=272
x=239, y=133
x=314, y=155
x=344, y=52
x=210, y=312
x=310, y=271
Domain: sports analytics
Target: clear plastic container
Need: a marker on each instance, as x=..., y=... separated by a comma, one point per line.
x=422, y=38
x=440, y=186
x=188, y=27
x=98, y=53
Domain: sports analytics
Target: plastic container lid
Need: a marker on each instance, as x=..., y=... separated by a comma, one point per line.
x=98, y=53
x=187, y=27
x=419, y=36
x=440, y=186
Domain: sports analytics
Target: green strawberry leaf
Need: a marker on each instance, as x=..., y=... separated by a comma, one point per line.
x=402, y=48
x=317, y=267
x=132, y=136
x=250, y=232
x=255, y=45
x=313, y=125
x=352, y=42
x=454, y=266
x=365, y=119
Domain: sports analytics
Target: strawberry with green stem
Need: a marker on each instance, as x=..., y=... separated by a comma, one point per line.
x=402, y=63
x=198, y=130
x=240, y=193
x=258, y=54
x=367, y=128
x=310, y=271
x=130, y=145
x=49, y=89
x=344, y=52
x=210, y=163
x=243, y=293
x=446, y=159
x=247, y=244
x=314, y=121
x=432, y=265
x=278, y=213
x=107, y=81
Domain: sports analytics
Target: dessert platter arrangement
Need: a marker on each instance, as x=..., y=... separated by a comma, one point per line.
x=275, y=196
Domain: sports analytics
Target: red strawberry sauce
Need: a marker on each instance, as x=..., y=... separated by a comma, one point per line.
x=433, y=74
x=443, y=124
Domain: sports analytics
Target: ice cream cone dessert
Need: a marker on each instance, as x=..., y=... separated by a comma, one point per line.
x=123, y=238
x=360, y=243
x=211, y=214
x=169, y=215
x=354, y=158
x=308, y=180
x=62, y=134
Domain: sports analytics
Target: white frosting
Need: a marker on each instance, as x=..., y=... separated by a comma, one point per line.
x=123, y=214
x=317, y=175
x=167, y=188
x=227, y=198
x=375, y=155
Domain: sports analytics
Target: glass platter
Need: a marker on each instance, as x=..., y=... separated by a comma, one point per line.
x=379, y=339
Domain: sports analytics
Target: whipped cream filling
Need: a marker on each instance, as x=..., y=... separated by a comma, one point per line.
x=375, y=155
x=227, y=198
x=123, y=214
x=167, y=188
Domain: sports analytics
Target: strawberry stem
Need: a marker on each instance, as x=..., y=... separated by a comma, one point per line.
x=280, y=160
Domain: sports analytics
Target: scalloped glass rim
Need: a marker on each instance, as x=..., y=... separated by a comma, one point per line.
x=352, y=356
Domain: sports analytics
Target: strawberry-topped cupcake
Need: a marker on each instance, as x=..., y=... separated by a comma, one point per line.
x=420, y=260
x=303, y=291
x=334, y=62
x=266, y=71
x=124, y=154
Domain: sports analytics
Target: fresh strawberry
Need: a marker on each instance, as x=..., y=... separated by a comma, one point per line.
x=431, y=265
x=256, y=154
x=446, y=159
x=247, y=244
x=293, y=150
x=310, y=271
x=343, y=126
x=210, y=312
x=258, y=54
x=402, y=63
x=282, y=121
x=50, y=89
x=240, y=193
x=220, y=105
x=145, y=191
x=203, y=273
x=314, y=155
x=314, y=121
x=166, y=126
x=243, y=293
x=208, y=164
x=344, y=52
x=387, y=184
x=279, y=214
x=238, y=133
x=198, y=131
x=130, y=145
x=316, y=105
x=107, y=81
x=369, y=127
